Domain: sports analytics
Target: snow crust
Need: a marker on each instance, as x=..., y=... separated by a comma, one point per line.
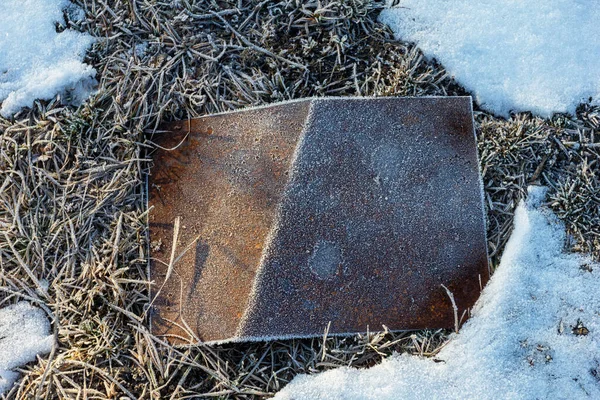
x=36, y=62
x=519, y=55
x=24, y=333
x=534, y=332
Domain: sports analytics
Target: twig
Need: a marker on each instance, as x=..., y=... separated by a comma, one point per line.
x=454, y=308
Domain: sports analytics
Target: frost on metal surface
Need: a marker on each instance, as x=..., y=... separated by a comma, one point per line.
x=352, y=211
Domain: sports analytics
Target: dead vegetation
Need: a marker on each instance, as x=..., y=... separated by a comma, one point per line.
x=561, y=153
x=72, y=210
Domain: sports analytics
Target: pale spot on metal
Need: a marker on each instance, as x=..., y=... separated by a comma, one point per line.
x=326, y=260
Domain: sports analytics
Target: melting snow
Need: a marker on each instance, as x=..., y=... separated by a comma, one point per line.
x=534, y=333
x=36, y=62
x=24, y=333
x=519, y=55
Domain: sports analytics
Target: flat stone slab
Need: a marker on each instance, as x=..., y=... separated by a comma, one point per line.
x=348, y=211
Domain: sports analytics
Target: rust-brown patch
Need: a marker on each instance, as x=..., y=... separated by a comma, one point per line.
x=348, y=210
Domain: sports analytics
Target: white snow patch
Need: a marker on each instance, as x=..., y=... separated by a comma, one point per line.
x=24, y=333
x=519, y=55
x=525, y=339
x=139, y=49
x=36, y=62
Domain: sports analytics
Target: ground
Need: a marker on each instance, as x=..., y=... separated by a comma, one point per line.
x=72, y=205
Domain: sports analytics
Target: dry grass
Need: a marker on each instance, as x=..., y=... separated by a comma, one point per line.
x=561, y=153
x=72, y=215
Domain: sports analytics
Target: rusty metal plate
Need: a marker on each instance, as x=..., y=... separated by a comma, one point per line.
x=349, y=211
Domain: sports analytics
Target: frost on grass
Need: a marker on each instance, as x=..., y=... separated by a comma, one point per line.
x=514, y=55
x=534, y=333
x=24, y=333
x=36, y=61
